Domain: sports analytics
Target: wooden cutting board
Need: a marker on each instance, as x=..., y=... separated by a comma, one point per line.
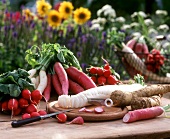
x=110, y=113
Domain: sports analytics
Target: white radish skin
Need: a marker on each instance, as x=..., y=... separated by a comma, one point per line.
x=32, y=72
x=33, y=80
x=104, y=92
x=43, y=81
x=37, y=81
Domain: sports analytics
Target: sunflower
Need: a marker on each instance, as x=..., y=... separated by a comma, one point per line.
x=27, y=13
x=43, y=7
x=81, y=15
x=66, y=9
x=54, y=18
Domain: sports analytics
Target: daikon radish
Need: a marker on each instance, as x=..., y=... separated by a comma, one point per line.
x=81, y=99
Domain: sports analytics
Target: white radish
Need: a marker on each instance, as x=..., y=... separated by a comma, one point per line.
x=37, y=81
x=33, y=80
x=43, y=81
x=32, y=72
x=81, y=99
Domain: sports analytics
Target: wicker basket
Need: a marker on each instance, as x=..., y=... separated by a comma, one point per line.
x=131, y=69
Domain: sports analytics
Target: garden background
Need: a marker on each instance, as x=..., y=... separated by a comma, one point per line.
x=21, y=27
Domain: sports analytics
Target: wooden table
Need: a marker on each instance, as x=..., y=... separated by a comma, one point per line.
x=157, y=128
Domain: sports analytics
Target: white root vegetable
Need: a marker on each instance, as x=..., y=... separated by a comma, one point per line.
x=32, y=72
x=81, y=99
x=33, y=80
x=43, y=81
x=37, y=78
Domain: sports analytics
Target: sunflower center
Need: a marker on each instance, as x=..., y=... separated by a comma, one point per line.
x=82, y=15
x=67, y=10
x=43, y=8
x=54, y=18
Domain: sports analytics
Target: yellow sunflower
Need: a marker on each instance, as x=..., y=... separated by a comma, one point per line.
x=66, y=9
x=43, y=7
x=28, y=14
x=54, y=18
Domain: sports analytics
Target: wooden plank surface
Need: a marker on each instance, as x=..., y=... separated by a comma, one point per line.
x=49, y=129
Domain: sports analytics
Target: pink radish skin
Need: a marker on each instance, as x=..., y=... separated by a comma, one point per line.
x=26, y=116
x=131, y=43
x=26, y=94
x=47, y=90
x=34, y=114
x=80, y=77
x=99, y=110
x=78, y=120
x=74, y=87
x=13, y=104
x=36, y=95
x=86, y=110
x=31, y=108
x=142, y=114
x=57, y=85
x=17, y=111
x=42, y=112
x=23, y=103
x=63, y=78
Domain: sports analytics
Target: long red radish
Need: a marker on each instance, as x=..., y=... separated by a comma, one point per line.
x=63, y=78
x=43, y=81
x=80, y=77
x=47, y=90
x=57, y=85
x=74, y=87
x=142, y=114
x=78, y=120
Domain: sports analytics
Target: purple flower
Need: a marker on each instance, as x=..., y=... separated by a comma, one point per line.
x=79, y=54
x=32, y=25
x=14, y=34
x=3, y=1
x=12, y=27
x=84, y=39
x=84, y=66
x=69, y=28
x=104, y=34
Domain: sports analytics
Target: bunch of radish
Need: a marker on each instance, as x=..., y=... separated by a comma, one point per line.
x=104, y=75
x=154, y=61
x=26, y=103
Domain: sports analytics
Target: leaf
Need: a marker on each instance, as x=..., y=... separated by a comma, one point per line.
x=4, y=88
x=14, y=90
x=25, y=85
x=61, y=57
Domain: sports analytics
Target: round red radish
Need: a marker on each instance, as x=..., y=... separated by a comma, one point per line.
x=62, y=117
x=112, y=80
x=99, y=71
x=35, y=102
x=98, y=110
x=31, y=108
x=107, y=67
x=42, y=112
x=94, y=79
x=101, y=80
x=36, y=95
x=26, y=116
x=93, y=70
x=13, y=104
x=26, y=94
x=23, y=102
x=4, y=106
x=107, y=73
x=34, y=114
x=17, y=111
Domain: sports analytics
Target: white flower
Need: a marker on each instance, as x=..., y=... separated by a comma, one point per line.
x=161, y=12
x=163, y=27
x=96, y=26
x=125, y=27
x=113, y=28
x=134, y=15
x=168, y=37
x=120, y=19
x=141, y=13
x=152, y=31
x=148, y=22
x=101, y=20
x=94, y=21
x=106, y=7
x=166, y=45
x=134, y=24
x=99, y=12
x=110, y=13
x=136, y=34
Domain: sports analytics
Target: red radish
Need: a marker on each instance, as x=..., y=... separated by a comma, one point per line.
x=0, y=106
x=63, y=78
x=17, y=111
x=93, y=70
x=36, y=95
x=101, y=80
x=74, y=87
x=47, y=91
x=34, y=114
x=86, y=110
x=5, y=106
x=35, y=102
x=106, y=66
x=43, y=81
x=26, y=94
x=107, y=73
x=78, y=120
x=112, y=80
x=26, y=116
x=42, y=112
x=99, y=71
x=80, y=77
x=23, y=103
x=31, y=108
x=94, y=79
x=99, y=110
x=57, y=85
x=62, y=117
x=12, y=104
x=142, y=114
